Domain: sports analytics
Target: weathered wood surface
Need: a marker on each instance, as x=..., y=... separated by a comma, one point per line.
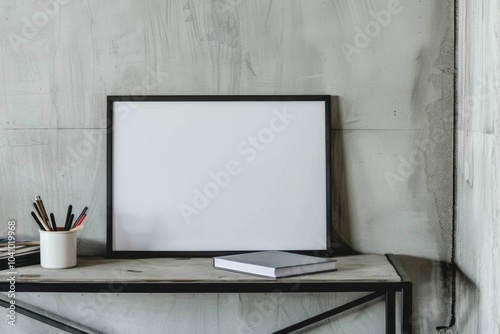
x=358, y=268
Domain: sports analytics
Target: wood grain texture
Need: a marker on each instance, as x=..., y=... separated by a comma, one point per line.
x=358, y=268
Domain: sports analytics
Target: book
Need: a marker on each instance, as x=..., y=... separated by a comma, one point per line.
x=20, y=253
x=20, y=261
x=4, y=242
x=274, y=264
x=4, y=253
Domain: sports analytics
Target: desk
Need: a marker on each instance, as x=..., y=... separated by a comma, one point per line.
x=381, y=275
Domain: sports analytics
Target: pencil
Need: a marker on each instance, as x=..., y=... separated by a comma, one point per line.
x=53, y=220
x=80, y=216
x=79, y=222
x=42, y=207
x=70, y=221
x=38, y=211
x=46, y=227
x=70, y=207
x=36, y=220
x=41, y=211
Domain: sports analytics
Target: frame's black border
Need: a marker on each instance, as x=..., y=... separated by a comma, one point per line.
x=110, y=253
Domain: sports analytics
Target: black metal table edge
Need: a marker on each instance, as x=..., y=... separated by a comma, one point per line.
x=204, y=287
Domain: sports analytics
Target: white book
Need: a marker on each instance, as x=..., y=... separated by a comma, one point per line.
x=274, y=264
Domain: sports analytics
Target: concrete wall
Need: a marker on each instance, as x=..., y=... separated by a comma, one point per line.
x=393, y=143
x=478, y=168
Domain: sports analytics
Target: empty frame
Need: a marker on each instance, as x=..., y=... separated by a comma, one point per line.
x=211, y=175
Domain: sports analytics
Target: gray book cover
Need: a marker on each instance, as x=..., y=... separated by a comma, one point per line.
x=274, y=263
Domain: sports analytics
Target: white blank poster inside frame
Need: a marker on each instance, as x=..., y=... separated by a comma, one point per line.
x=201, y=175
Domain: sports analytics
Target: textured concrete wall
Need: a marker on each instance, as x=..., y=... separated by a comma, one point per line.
x=390, y=62
x=478, y=168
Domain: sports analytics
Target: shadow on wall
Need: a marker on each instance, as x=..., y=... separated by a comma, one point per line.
x=433, y=291
x=91, y=247
x=340, y=206
x=467, y=292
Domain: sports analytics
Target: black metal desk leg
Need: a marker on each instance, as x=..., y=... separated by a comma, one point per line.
x=43, y=318
x=330, y=313
x=406, y=295
x=390, y=312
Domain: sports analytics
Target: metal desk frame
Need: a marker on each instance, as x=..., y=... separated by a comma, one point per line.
x=377, y=289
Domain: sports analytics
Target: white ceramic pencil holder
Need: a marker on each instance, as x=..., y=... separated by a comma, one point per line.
x=57, y=249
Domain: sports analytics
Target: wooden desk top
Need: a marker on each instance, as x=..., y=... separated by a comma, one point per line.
x=350, y=269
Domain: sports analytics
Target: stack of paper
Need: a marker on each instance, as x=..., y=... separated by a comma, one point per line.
x=19, y=254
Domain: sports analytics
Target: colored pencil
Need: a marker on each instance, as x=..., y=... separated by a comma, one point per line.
x=80, y=216
x=78, y=223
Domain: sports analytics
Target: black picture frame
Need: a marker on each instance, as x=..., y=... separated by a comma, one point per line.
x=111, y=253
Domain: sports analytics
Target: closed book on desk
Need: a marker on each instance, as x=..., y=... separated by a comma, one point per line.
x=21, y=261
x=274, y=264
